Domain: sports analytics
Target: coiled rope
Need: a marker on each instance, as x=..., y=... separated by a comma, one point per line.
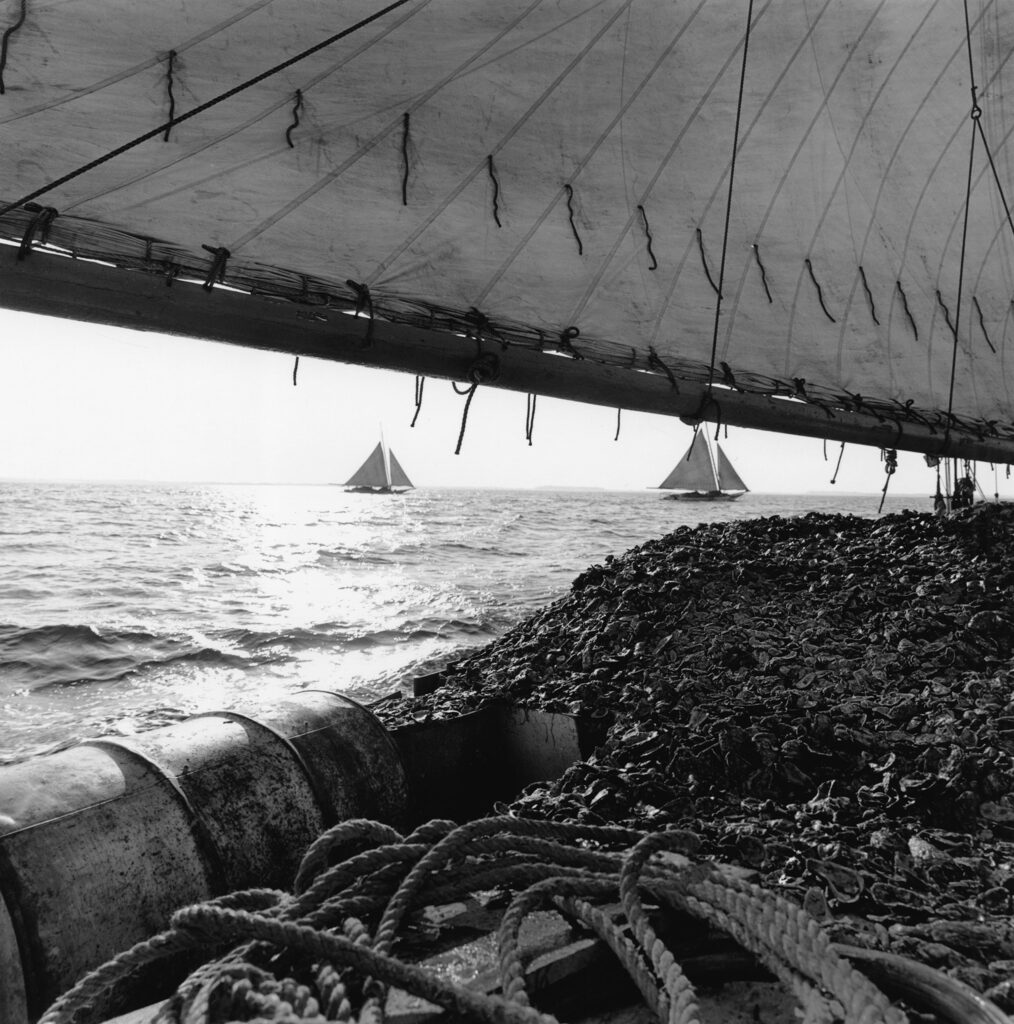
x=326, y=952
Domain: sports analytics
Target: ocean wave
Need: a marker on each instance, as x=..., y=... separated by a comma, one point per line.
x=34, y=637
x=62, y=655
x=332, y=556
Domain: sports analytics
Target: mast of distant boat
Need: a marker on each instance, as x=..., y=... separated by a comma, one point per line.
x=387, y=457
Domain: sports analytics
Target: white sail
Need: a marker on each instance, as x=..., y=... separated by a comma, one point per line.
x=551, y=175
x=399, y=478
x=372, y=473
x=728, y=478
x=695, y=471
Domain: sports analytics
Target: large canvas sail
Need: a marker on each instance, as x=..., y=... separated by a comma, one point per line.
x=372, y=473
x=768, y=223
x=728, y=478
x=695, y=471
x=399, y=478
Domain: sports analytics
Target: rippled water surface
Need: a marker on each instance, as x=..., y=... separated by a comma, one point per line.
x=126, y=606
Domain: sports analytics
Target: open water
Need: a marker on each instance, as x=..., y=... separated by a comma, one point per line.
x=124, y=607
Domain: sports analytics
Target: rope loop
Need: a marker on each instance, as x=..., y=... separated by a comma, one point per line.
x=334, y=942
x=485, y=369
x=565, y=343
x=216, y=272
x=420, y=383
x=41, y=222
x=364, y=304
x=655, y=362
x=531, y=399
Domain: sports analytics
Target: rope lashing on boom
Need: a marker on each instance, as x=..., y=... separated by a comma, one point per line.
x=42, y=220
x=484, y=370
x=566, y=342
x=216, y=272
x=364, y=304
x=327, y=950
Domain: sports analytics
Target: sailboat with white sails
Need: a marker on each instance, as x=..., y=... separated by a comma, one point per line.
x=381, y=473
x=704, y=475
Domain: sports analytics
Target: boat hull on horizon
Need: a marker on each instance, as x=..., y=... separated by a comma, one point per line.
x=706, y=496
x=375, y=490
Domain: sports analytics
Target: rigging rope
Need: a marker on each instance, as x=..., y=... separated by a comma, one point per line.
x=470, y=392
x=728, y=200
x=834, y=479
x=530, y=417
x=975, y=114
x=326, y=954
x=214, y=101
x=890, y=456
x=420, y=383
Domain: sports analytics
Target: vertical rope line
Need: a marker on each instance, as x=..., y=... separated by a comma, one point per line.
x=618, y=412
x=11, y=29
x=728, y=199
x=834, y=479
x=420, y=383
x=404, y=157
x=976, y=113
x=996, y=174
x=470, y=392
x=296, y=107
x=530, y=417
x=170, y=68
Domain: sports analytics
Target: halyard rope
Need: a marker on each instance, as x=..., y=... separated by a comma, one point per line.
x=334, y=940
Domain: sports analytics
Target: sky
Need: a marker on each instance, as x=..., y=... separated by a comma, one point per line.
x=91, y=402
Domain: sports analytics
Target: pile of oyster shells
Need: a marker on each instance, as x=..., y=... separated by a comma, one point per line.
x=828, y=700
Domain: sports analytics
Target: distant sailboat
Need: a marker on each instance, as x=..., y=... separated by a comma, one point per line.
x=381, y=473
x=700, y=476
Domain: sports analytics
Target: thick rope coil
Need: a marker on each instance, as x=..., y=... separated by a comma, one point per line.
x=683, y=1008
x=215, y=924
x=461, y=838
x=333, y=941
x=357, y=832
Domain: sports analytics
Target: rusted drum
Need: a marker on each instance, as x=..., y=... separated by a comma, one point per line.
x=99, y=843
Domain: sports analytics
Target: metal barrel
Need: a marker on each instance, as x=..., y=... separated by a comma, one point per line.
x=101, y=842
